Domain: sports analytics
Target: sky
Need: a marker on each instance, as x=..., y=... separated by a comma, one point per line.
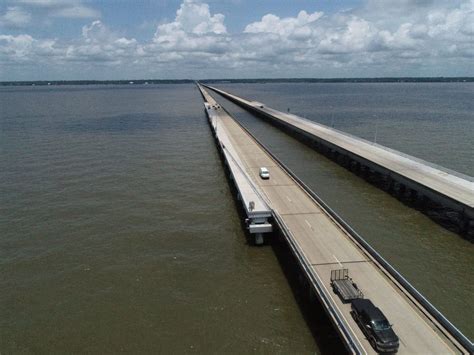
x=199, y=39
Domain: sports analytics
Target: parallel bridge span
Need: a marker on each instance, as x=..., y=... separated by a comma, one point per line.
x=445, y=195
x=322, y=241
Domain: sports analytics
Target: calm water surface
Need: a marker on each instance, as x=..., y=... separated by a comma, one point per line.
x=118, y=231
x=432, y=121
x=437, y=262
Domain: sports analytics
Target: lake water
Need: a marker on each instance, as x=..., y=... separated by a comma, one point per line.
x=432, y=121
x=118, y=230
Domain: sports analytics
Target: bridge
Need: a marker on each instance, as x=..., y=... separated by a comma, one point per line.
x=431, y=188
x=321, y=242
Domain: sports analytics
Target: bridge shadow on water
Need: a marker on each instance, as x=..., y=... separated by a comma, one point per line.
x=325, y=335
x=323, y=331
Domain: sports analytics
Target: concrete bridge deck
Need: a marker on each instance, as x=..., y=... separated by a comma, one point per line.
x=255, y=207
x=321, y=244
x=451, y=189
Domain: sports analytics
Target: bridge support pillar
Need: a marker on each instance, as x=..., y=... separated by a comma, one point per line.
x=465, y=226
x=258, y=238
x=402, y=190
x=413, y=195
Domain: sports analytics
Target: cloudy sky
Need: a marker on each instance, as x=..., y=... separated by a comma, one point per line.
x=163, y=39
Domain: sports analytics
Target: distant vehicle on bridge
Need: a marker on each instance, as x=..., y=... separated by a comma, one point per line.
x=264, y=173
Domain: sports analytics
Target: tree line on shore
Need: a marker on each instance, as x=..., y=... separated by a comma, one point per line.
x=245, y=81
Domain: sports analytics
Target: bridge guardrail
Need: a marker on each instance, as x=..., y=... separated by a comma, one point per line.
x=432, y=310
x=317, y=282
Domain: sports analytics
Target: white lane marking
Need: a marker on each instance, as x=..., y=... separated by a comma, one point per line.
x=313, y=270
x=401, y=340
x=309, y=225
x=288, y=198
x=334, y=256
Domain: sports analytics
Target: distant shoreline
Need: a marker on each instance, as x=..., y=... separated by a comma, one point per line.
x=244, y=81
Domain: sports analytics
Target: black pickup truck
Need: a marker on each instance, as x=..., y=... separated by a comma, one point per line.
x=375, y=326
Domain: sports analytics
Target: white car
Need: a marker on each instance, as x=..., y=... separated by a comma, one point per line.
x=264, y=173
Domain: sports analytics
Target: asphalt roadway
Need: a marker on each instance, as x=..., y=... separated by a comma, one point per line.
x=327, y=246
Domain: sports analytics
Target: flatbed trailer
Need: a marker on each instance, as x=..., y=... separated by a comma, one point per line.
x=343, y=285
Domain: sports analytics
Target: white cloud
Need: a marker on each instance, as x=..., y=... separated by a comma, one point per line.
x=97, y=32
x=15, y=16
x=16, y=48
x=193, y=22
x=195, y=32
x=196, y=43
x=76, y=11
x=100, y=44
x=296, y=27
x=46, y=3
x=60, y=8
x=352, y=35
x=193, y=16
x=24, y=49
